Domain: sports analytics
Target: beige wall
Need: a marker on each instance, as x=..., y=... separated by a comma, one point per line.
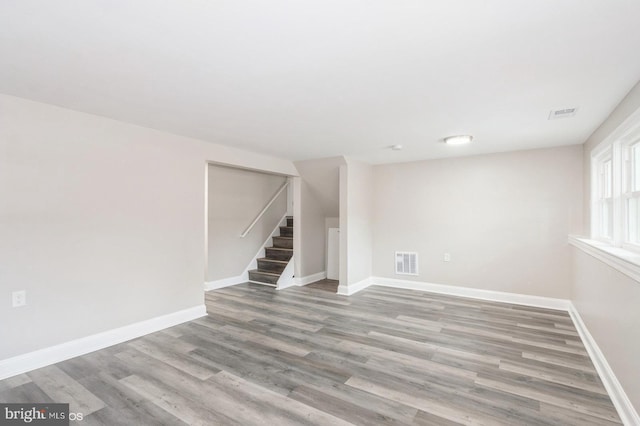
x=343, y=225
x=504, y=219
x=319, y=199
x=606, y=299
x=236, y=197
x=101, y=222
x=330, y=222
x=359, y=225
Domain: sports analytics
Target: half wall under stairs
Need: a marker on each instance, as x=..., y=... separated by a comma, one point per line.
x=272, y=266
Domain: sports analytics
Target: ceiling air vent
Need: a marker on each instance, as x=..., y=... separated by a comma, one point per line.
x=562, y=113
x=406, y=263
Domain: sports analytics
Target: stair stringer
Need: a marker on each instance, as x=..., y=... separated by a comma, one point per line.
x=286, y=278
x=253, y=264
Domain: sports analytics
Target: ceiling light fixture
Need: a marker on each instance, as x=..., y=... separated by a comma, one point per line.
x=396, y=147
x=458, y=140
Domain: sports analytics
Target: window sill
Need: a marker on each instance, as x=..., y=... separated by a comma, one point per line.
x=625, y=261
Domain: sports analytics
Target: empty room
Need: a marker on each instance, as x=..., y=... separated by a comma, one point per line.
x=320, y=212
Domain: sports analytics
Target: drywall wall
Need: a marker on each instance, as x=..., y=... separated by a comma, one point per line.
x=607, y=300
x=503, y=218
x=343, y=224
x=236, y=197
x=319, y=198
x=359, y=223
x=329, y=222
x=101, y=222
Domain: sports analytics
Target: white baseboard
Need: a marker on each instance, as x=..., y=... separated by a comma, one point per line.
x=626, y=411
x=41, y=358
x=285, y=286
x=253, y=263
x=496, y=296
x=617, y=394
x=226, y=282
x=310, y=278
x=348, y=290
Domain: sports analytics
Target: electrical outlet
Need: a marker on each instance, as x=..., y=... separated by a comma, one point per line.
x=19, y=298
x=447, y=257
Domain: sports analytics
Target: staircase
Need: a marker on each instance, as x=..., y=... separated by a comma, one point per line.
x=276, y=258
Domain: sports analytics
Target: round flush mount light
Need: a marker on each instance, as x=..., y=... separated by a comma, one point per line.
x=396, y=147
x=458, y=140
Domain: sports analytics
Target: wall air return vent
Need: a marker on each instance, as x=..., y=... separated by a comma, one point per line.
x=406, y=263
x=562, y=113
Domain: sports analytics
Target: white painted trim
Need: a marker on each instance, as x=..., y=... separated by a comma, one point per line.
x=41, y=358
x=622, y=260
x=300, y=281
x=264, y=210
x=350, y=289
x=627, y=129
x=226, y=282
x=496, y=296
x=285, y=286
x=253, y=263
x=620, y=400
x=617, y=394
x=286, y=279
x=626, y=134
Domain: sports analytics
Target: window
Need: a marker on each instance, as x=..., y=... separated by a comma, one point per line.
x=603, y=200
x=615, y=190
x=631, y=194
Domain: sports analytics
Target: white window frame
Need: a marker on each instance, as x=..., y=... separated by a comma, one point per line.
x=616, y=148
x=602, y=194
x=629, y=169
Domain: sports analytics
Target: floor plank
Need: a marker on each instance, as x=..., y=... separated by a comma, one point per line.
x=309, y=356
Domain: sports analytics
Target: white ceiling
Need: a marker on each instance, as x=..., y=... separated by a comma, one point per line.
x=309, y=79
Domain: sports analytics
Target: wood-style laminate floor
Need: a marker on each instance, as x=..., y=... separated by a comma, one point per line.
x=326, y=285
x=307, y=356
